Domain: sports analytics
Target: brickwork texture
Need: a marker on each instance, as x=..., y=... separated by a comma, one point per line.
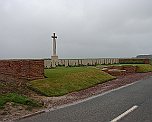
x=21, y=69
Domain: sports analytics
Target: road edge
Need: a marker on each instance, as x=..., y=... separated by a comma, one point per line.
x=76, y=102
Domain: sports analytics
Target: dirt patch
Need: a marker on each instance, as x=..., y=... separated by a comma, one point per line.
x=19, y=87
x=119, y=70
x=14, y=111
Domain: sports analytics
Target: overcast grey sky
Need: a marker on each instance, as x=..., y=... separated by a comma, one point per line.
x=85, y=28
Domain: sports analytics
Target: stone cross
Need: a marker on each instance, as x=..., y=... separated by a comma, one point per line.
x=54, y=37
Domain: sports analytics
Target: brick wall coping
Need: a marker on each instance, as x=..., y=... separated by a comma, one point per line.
x=21, y=59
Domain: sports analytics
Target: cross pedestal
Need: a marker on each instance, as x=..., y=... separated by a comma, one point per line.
x=54, y=60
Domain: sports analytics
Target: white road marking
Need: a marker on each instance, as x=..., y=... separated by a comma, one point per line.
x=124, y=114
x=90, y=98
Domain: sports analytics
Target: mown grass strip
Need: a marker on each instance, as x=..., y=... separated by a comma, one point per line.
x=141, y=68
x=16, y=98
x=61, y=81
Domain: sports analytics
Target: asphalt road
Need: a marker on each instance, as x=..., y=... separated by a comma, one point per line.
x=129, y=104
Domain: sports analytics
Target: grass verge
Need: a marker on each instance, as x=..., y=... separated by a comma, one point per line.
x=61, y=81
x=16, y=98
x=141, y=68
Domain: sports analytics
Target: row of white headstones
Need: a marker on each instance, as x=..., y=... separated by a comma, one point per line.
x=54, y=58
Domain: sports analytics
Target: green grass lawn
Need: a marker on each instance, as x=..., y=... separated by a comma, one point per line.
x=61, y=80
x=16, y=98
x=141, y=68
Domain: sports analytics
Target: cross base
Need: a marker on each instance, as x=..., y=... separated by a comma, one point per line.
x=54, y=61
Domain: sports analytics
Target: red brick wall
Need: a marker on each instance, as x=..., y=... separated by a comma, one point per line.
x=21, y=69
x=129, y=69
x=120, y=70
